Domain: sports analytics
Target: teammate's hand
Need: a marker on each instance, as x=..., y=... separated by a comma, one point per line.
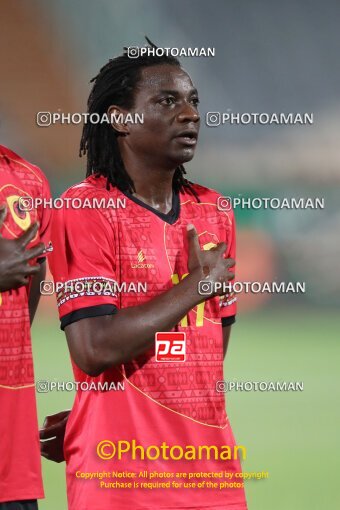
x=52, y=436
x=213, y=266
x=15, y=269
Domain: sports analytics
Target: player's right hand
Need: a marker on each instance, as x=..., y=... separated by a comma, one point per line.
x=15, y=268
x=52, y=436
x=212, y=264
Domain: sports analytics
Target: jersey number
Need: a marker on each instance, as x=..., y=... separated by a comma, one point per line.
x=200, y=307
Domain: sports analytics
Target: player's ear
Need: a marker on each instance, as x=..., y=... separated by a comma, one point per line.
x=117, y=117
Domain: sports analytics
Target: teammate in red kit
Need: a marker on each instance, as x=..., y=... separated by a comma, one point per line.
x=24, y=232
x=169, y=234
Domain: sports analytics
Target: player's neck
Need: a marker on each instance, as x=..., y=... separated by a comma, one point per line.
x=154, y=187
x=157, y=196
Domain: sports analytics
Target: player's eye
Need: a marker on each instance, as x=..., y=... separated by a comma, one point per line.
x=195, y=101
x=168, y=100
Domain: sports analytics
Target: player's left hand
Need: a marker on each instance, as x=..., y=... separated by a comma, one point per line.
x=52, y=436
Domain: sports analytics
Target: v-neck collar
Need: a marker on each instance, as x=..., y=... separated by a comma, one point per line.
x=169, y=217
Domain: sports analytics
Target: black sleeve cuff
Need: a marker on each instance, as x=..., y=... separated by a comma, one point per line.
x=84, y=313
x=228, y=321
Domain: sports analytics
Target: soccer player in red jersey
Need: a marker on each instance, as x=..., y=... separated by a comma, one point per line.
x=24, y=232
x=153, y=227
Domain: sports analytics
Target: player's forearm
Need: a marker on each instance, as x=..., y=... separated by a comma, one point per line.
x=100, y=342
x=140, y=323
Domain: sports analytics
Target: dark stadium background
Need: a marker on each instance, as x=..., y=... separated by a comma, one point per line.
x=270, y=57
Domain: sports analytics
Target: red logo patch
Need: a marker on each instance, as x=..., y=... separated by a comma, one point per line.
x=170, y=346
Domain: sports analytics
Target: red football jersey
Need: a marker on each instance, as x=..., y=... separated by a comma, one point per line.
x=129, y=242
x=20, y=465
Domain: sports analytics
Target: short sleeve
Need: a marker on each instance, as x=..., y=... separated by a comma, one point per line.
x=83, y=264
x=228, y=306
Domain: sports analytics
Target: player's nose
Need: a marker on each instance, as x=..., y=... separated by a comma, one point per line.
x=188, y=114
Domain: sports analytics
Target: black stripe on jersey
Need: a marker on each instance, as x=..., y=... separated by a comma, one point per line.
x=84, y=313
x=228, y=321
x=171, y=217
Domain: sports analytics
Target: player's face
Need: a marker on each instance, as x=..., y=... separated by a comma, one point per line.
x=168, y=100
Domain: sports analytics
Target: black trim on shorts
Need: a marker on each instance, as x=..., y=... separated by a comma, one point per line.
x=228, y=321
x=84, y=313
x=40, y=261
x=27, y=504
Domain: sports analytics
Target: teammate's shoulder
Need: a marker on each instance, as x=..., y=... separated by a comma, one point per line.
x=18, y=164
x=9, y=155
x=204, y=193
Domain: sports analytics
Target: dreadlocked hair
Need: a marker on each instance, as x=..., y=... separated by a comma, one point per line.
x=115, y=84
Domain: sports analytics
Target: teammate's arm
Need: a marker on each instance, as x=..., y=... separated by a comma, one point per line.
x=97, y=343
x=15, y=268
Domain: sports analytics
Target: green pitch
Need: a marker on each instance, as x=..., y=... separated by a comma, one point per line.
x=293, y=435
